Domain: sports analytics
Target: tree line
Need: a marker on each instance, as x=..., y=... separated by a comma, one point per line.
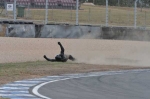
x=122, y=3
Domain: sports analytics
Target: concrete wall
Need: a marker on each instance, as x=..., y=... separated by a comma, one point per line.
x=125, y=33
x=71, y=31
x=19, y=30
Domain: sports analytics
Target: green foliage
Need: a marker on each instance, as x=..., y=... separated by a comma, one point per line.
x=3, y=98
x=122, y=3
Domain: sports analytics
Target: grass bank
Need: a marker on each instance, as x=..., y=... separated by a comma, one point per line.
x=10, y=72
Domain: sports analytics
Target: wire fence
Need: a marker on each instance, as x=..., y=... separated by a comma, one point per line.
x=88, y=14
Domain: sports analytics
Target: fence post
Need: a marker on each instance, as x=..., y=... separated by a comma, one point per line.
x=77, y=12
x=52, y=13
x=135, y=13
x=14, y=10
x=89, y=14
x=71, y=15
x=27, y=12
x=118, y=2
x=145, y=18
x=106, y=12
x=109, y=16
x=46, y=12
x=128, y=18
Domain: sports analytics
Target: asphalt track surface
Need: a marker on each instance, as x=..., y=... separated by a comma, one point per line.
x=119, y=86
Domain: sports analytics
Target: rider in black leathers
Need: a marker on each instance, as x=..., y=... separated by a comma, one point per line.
x=61, y=57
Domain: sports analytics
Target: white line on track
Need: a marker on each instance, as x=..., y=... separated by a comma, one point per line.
x=20, y=89
x=36, y=88
x=72, y=76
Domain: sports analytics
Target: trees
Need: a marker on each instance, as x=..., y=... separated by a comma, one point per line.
x=122, y=3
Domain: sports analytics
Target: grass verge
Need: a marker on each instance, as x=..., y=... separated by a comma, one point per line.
x=10, y=72
x=3, y=98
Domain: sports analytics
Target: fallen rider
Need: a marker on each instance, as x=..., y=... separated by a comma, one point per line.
x=61, y=57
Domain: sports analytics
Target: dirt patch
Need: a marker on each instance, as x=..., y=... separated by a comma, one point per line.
x=2, y=30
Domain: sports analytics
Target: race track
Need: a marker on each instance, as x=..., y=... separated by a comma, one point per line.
x=120, y=86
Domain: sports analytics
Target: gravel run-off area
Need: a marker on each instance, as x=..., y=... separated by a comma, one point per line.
x=22, y=58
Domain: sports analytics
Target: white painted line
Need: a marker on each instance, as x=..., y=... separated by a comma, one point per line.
x=16, y=88
x=29, y=81
x=40, y=79
x=24, y=92
x=20, y=85
x=36, y=88
x=27, y=95
x=26, y=98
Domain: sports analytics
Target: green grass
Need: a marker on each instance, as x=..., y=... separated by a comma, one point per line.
x=121, y=16
x=10, y=69
x=13, y=71
x=10, y=72
x=96, y=15
x=3, y=98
